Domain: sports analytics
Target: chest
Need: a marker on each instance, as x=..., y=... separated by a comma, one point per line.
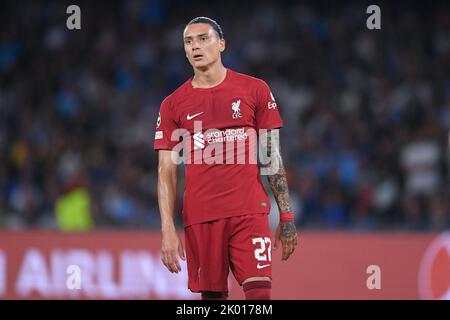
x=217, y=109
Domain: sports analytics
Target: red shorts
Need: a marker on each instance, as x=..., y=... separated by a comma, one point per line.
x=242, y=244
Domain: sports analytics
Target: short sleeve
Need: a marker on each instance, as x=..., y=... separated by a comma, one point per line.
x=267, y=113
x=165, y=126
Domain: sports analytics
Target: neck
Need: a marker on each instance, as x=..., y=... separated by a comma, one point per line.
x=209, y=77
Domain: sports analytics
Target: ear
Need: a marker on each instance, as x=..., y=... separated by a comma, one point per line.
x=222, y=45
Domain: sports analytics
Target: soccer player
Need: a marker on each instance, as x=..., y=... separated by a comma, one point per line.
x=225, y=206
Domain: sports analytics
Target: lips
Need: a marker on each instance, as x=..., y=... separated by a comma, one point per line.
x=197, y=56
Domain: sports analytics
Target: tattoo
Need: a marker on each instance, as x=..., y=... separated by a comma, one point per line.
x=278, y=182
x=287, y=230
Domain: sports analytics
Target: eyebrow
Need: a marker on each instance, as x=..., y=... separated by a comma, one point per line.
x=198, y=35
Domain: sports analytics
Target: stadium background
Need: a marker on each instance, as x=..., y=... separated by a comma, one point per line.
x=365, y=142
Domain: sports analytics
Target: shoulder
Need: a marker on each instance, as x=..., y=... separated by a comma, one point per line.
x=248, y=80
x=177, y=95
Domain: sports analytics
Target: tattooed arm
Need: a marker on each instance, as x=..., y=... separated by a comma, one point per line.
x=286, y=231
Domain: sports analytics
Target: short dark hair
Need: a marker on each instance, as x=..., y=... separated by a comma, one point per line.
x=209, y=21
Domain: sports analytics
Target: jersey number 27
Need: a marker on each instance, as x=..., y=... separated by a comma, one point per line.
x=263, y=244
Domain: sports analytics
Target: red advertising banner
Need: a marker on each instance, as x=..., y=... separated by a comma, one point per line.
x=127, y=265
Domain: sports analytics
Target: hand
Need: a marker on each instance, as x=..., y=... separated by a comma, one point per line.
x=171, y=248
x=287, y=234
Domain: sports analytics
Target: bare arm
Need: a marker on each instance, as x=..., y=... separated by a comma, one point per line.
x=171, y=246
x=286, y=231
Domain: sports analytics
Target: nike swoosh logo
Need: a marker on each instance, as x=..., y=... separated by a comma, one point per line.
x=193, y=116
x=262, y=266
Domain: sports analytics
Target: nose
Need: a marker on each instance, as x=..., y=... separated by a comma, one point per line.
x=195, y=45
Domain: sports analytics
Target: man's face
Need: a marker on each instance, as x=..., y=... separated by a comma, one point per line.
x=202, y=45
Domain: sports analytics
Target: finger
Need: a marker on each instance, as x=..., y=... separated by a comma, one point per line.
x=287, y=249
x=292, y=241
x=293, y=244
x=177, y=265
x=171, y=262
x=287, y=254
x=290, y=247
x=276, y=244
x=164, y=258
x=174, y=267
x=165, y=261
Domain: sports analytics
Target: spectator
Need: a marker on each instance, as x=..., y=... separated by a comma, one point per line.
x=367, y=112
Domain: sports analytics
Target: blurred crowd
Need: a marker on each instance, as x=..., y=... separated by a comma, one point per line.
x=367, y=112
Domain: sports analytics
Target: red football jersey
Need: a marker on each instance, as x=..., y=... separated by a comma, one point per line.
x=217, y=128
